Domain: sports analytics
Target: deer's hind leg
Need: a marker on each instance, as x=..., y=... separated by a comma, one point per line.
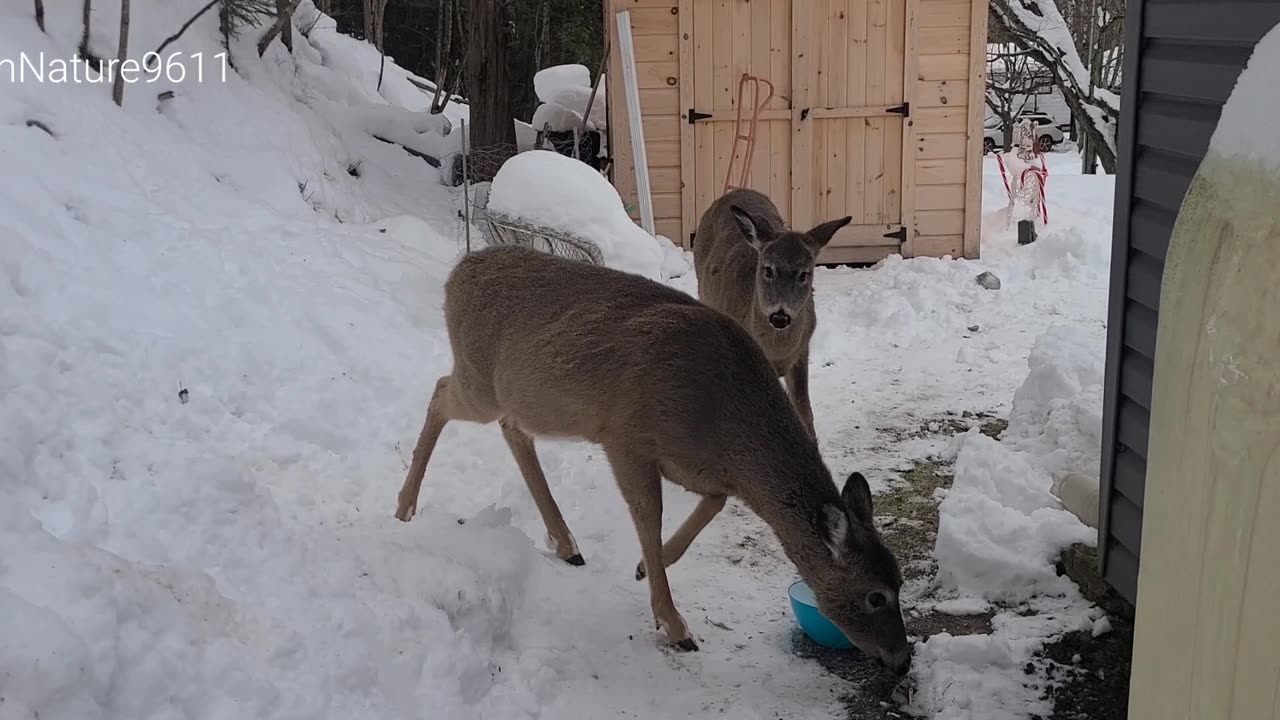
x=561, y=540
x=447, y=403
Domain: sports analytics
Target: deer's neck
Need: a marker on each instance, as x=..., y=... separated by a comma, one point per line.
x=790, y=498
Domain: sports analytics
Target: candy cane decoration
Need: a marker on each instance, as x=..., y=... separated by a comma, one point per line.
x=1022, y=189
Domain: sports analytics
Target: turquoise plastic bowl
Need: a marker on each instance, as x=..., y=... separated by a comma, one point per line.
x=812, y=621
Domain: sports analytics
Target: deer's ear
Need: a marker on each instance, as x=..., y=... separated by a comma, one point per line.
x=747, y=225
x=822, y=234
x=835, y=525
x=857, y=498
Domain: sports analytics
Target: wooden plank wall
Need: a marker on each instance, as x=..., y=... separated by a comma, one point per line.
x=951, y=45
x=655, y=28
x=947, y=112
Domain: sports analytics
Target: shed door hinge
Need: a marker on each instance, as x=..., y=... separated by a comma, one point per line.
x=900, y=234
x=904, y=110
x=695, y=116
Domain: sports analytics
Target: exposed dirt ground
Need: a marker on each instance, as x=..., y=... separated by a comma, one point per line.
x=1094, y=682
x=1091, y=675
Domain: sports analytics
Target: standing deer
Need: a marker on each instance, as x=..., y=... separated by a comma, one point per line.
x=755, y=270
x=553, y=347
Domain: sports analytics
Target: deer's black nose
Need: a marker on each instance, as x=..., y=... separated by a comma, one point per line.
x=779, y=320
x=899, y=662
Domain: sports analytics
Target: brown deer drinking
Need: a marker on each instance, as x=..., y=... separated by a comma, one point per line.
x=553, y=347
x=753, y=269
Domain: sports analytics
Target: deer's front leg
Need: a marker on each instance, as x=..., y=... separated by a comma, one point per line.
x=797, y=379
x=674, y=549
x=641, y=486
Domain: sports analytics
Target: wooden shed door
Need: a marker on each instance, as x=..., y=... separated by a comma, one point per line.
x=830, y=142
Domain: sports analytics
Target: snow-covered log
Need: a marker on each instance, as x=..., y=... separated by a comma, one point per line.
x=421, y=133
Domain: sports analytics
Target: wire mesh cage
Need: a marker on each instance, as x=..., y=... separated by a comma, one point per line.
x=502, y=229
x=497, y=228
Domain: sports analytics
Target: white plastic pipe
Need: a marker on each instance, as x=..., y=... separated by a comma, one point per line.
x=1078, y=494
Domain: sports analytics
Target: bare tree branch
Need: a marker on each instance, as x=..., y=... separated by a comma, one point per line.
x=174, y=37
x=40, y=15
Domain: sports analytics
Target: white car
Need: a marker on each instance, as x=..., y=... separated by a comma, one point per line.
x=1047, y=133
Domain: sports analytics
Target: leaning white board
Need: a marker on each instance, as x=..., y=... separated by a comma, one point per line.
x=631, y=87
x=1207, y=624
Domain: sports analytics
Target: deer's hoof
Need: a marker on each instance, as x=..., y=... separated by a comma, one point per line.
x=576, y=560
x=640, y=573
x=687, y=645
x=405, y=513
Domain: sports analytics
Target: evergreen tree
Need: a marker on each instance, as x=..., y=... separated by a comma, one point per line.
x=236, y=15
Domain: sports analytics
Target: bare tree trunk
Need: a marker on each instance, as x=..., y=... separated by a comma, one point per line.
x=117, y=92
x=488, y=69
x=444, y=44
x=277, y=27
x=40, y=15
x=1039, y=27
x=543, y=19
x=284, y=10
x=87, y=19
x=379, y=26
x=368, y=19
x=444, y=40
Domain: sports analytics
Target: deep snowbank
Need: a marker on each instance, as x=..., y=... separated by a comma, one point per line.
x=1000, y=529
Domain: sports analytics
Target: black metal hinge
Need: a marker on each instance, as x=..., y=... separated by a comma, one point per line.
x=904, y=110
x=900, y=234
x=694, y=116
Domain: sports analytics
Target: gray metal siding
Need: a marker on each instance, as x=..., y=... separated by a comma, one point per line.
x=1185, y=58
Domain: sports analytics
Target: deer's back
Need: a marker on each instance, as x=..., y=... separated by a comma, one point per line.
x=571, y=349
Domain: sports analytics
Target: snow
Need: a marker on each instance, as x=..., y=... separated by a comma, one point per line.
x=1237, y=132
x=558, y=192
x=1101, y=626
x=565, y=91
x=235, y=555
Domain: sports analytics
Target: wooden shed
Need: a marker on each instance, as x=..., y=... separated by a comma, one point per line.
x=877, y=113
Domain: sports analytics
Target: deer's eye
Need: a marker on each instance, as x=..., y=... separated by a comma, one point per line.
x=877, y=600
x=769, y=272
x=802, y=277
